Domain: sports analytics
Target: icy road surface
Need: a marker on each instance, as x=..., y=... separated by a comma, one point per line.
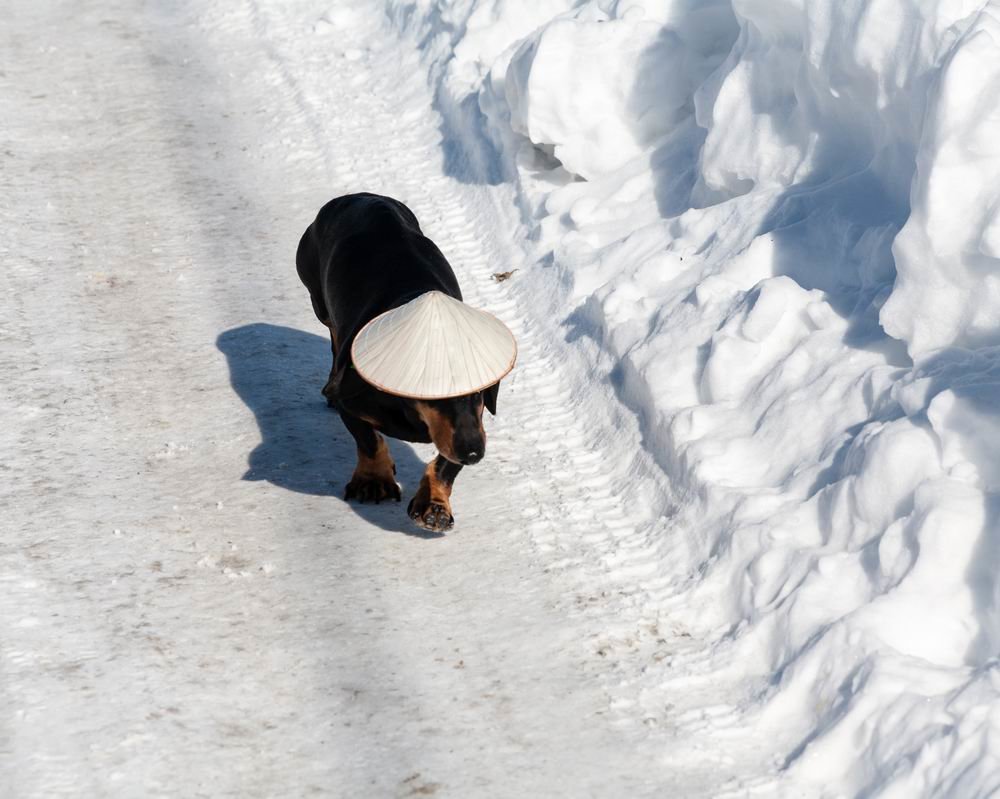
x=187, y=607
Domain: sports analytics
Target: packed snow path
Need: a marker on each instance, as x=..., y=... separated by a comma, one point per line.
x=187, y=606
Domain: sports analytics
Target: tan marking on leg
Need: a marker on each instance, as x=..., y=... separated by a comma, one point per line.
x=431, y=505
x=374, y=478
x=379, y=466
x=439, y=490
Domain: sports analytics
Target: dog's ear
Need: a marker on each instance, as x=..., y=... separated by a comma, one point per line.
x=490, y=398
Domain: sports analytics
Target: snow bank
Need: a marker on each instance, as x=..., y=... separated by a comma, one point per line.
x=780, y=222
x=948, y=287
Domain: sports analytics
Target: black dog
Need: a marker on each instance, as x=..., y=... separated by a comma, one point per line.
x=365, y=255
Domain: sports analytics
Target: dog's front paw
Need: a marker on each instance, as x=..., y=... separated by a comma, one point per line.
x=429, y=514
x=372, y=489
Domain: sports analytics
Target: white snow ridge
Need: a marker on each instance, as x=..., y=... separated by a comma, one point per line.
x=736, y=531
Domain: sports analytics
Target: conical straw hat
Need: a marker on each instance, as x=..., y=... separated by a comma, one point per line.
x=434, y=347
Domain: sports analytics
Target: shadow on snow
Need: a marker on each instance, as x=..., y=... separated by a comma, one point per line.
x=278, y=372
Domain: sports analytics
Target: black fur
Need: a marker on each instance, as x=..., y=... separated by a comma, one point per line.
x=364, y=255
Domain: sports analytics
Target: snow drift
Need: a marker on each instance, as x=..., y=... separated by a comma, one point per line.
x=781, y=221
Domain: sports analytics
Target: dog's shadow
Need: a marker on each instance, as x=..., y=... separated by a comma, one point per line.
x=278, y=372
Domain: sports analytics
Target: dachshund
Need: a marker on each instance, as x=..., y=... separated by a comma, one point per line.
x=364, y=255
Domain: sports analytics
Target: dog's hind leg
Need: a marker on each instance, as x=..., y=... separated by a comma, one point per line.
x=330, y=389
x=374, y=477
x=431, y=505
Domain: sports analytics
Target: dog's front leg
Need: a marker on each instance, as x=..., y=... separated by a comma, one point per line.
x=431, y=505
x=374, y=477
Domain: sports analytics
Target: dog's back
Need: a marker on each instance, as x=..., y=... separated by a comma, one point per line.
x=364, y=255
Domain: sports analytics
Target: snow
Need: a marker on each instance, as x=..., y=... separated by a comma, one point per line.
x=954, y=210
x=736, y=533
x=771, y=230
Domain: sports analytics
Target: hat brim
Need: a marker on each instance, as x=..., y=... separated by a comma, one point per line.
x=434, y=347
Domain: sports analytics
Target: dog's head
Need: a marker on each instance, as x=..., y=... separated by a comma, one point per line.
x=456, y=425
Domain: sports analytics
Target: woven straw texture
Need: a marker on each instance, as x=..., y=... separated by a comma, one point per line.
x=434, y=347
